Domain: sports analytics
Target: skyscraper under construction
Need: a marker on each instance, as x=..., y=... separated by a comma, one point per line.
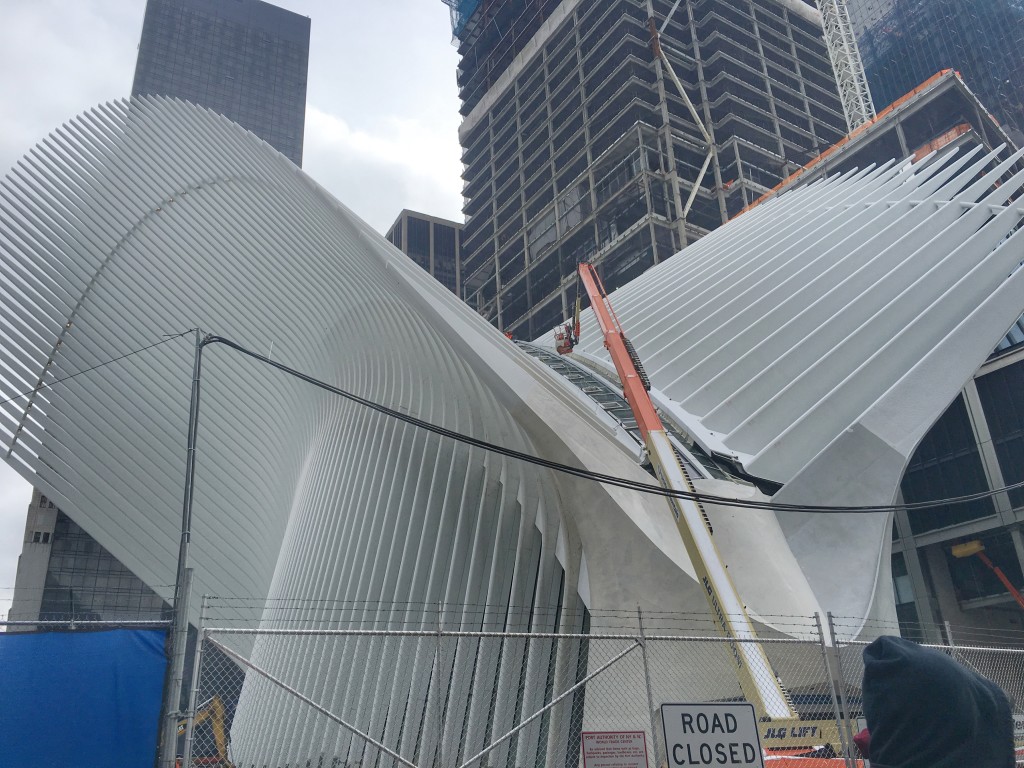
x=578, y=144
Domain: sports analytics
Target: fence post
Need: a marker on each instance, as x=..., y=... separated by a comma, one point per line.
x=650, y=694
x=845, y=731
x=833, y=685
x=176, y=672
x=183, y=580
x=953, y=654
x=193, y=693
x=436, y=675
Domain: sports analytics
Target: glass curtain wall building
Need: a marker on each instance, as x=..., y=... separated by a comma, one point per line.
x=65, y=575
x=244, y=59
x=903, y=42
x=976, y=446
x=577, y=146
x=84, y=581
x=432, y=243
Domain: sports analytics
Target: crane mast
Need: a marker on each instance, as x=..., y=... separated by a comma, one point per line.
x=756, y=676
x=846, y=62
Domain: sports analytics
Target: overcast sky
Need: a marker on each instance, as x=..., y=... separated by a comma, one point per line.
x=381, y=116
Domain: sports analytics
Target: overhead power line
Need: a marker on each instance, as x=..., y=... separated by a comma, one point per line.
x=613, y=480
x=126, y=355
x=606, y=479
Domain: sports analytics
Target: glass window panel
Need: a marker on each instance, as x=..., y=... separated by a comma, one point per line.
x=946, y=464
x=1003, y=403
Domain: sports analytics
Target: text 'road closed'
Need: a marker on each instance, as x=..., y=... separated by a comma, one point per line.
x=711, y=735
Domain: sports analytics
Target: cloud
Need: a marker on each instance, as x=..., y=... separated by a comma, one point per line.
x=403, y=163
x=59, y=59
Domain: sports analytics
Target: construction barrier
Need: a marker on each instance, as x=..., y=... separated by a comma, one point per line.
x=323, y=694
x=89, y=699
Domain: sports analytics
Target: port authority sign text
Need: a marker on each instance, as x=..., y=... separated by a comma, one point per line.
x=719, y=735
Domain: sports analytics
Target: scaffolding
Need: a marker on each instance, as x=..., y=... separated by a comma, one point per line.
x=462, y=11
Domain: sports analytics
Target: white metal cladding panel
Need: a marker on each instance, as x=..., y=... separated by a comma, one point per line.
x=139, y=220
x=776, y=333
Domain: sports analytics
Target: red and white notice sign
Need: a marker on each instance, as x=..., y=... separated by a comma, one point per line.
x=611, y=749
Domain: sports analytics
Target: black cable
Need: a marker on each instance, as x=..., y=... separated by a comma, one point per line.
x=93, y=368
x=613, y=480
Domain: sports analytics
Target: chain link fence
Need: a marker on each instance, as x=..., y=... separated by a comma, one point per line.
x=996, y=655
x=331, y=693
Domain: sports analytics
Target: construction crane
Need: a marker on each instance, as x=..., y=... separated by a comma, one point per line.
x=757, y=679
x=846, y=62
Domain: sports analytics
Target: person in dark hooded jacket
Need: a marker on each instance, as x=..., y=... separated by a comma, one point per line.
x=925, y=710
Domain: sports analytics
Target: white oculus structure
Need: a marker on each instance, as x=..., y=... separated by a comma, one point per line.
x=811, y=342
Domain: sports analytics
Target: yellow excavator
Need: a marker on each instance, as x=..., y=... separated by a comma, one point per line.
x=211, y=711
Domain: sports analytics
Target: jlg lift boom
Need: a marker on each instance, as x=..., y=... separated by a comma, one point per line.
x=756, y=677
x=977, y=548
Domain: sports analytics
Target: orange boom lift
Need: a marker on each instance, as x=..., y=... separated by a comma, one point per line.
x=758, y=681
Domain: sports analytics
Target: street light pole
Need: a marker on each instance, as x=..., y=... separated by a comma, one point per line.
x=182, y=582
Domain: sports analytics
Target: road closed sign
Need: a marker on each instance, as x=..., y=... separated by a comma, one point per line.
x=719, y=735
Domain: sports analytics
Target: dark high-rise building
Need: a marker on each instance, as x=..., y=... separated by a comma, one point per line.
x=245, y=59
x=903, y=42
x=431, y=242
x=577, y=144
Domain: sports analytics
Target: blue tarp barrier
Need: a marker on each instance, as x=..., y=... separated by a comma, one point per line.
x=80, y=699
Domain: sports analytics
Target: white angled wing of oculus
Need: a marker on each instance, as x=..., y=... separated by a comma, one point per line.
x=816, y=338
